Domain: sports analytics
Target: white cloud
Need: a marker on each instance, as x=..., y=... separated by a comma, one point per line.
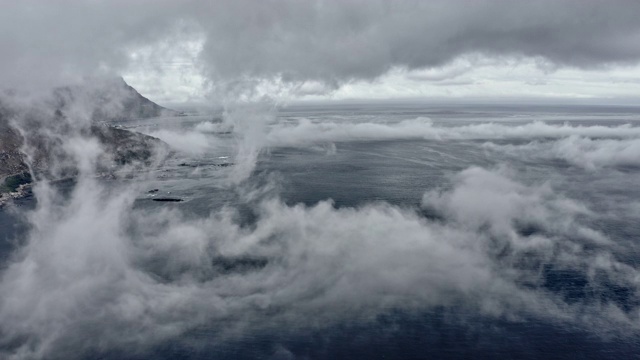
x=583, y=152
x=304, y=131
x=469, y=77
x=99, y=274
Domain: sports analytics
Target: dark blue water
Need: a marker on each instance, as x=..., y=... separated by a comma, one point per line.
x=398, y=172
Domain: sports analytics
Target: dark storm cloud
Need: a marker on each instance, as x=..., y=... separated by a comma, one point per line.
x=294, y=41
x=335, y=41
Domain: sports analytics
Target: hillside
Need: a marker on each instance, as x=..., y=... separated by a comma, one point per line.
x=47, y=127
x=112, y=100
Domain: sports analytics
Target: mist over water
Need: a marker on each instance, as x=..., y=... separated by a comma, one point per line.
x=455, y=231
x=323, y=228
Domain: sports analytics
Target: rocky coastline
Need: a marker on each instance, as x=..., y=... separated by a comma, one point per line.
x=20, y=192
x=121, y=148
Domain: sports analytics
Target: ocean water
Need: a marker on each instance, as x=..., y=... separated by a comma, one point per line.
x=396, y=231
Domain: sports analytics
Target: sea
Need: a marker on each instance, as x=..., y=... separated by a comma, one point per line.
x=352, y=230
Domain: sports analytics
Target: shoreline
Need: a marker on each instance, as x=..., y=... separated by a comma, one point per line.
x=8, y=197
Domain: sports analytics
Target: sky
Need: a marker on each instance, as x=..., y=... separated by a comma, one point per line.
x=62, y=294
x=197, y=52
x=464, y=79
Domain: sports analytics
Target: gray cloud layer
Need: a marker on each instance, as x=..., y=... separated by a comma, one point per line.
x=329, y=41
x=354, y=39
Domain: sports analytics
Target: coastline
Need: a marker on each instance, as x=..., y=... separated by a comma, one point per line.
x=8, y=197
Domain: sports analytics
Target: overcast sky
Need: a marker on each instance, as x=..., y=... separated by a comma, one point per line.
x=189, y=51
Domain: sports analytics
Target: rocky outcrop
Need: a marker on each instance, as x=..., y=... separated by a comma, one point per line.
x=11, y=159
x=48, y=128
x=126, y=147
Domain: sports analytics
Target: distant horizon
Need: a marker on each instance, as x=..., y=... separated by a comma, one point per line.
x=471, y=101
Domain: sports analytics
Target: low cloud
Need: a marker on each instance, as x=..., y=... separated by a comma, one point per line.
x=579, y=151
x=98, y=273
x=188, y=142
x=102, y=275
x=306, y=131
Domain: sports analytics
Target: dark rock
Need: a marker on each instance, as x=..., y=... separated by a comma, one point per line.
x=12, y=182
x=167, y=199
x=206, y=164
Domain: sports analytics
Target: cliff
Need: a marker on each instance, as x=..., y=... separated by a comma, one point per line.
x=48, y=127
